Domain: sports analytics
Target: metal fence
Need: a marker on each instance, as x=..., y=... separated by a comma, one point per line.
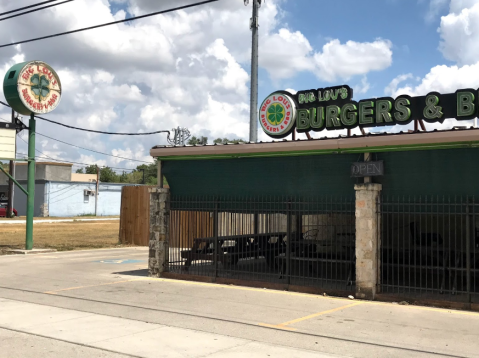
x=430, y=248
x=277, y=240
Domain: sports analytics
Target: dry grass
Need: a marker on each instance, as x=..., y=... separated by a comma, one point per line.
x=62, y=236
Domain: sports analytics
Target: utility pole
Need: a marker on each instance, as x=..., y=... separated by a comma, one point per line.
x=97, y=188
x=10, y=181
x=254, y=25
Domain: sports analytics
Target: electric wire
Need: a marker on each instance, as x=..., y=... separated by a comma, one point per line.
x=66, y=161
x=94, y=151
x=27, y=7
x=84, y=165
x=91, y=130
x=111, y=23
x=34, y=10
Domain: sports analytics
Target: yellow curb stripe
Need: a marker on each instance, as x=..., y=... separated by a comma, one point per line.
x=298, y=294
x=320, y=314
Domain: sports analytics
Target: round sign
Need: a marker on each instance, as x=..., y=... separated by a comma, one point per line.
x=277, y=115
x=32, y=87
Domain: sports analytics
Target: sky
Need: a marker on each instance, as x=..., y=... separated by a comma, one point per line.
x=191, y=68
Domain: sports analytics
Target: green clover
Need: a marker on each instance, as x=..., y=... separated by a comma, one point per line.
x=40, y=86
x=276, y=114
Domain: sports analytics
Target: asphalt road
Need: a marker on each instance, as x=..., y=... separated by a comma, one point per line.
x=101, y=304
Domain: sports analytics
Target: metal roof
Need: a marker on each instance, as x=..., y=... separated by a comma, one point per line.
x=370, y=142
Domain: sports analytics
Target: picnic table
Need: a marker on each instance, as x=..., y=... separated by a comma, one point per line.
x=234, y=247
x=308, y=254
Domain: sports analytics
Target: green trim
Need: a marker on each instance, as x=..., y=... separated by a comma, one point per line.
x=17, y=183
x=411, y=147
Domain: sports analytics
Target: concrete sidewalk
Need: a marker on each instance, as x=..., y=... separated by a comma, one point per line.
x=106, y=335
x=101, y=299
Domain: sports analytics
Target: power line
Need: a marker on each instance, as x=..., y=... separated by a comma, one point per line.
x=65, y=161
x=91, y=130
x=94, y=151
x=111, y=23
x=27, y=7
x=34, y=10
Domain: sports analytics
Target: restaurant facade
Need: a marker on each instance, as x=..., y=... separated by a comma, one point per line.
x=377, y=215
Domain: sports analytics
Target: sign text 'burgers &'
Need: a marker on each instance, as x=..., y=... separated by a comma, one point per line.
x=333, y=109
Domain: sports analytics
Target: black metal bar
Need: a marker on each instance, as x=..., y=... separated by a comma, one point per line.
x=468, y=253
x=215, y=236
x=288, y=244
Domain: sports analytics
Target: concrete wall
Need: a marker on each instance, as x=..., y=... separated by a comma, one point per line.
x=78, y=177
x=68, y=199
x=49, y=172
x=20, y=199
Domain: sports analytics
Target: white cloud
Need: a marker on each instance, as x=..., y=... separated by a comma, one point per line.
x=435, y=6
x=362, y=87
x=352, y=58
x=444, y=79
x=392, y=88
x=459, y=32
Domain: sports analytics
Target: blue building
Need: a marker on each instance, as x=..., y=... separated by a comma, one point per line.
x=57, y=195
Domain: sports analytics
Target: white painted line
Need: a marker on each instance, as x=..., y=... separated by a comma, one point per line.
x=54, y=221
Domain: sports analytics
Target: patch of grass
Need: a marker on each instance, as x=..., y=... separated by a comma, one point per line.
x=63, y=236
x=83, y=215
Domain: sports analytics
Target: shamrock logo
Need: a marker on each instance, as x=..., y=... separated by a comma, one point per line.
x=344, y=93
x=40, y=86
x=275, y=114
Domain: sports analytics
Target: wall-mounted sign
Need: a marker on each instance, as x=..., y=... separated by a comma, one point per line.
x=32, y=87
x=367, y=169
x=333, y=108
x=7, y=143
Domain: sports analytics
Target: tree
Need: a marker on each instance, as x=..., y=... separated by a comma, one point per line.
x=91, y=169
x=108, y=175
x=79, y=171
x=228, y=141
x=198, y=141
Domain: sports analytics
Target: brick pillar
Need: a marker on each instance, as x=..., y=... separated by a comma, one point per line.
x=367, y=239
x=159, y=231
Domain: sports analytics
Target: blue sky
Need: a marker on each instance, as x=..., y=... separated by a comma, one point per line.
x=405, y=23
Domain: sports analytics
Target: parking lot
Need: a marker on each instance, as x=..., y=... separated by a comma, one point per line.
x=100, y=303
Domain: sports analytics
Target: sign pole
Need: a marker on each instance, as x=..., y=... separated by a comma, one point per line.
x=10, y=181
x=31, y=182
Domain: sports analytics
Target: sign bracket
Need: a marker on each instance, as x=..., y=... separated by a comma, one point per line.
x=13, y=179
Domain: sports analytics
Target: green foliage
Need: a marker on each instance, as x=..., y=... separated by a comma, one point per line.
x=79, y=171
x=228, y=141
x=91, y=169
x=198, y=141
x=108, y=175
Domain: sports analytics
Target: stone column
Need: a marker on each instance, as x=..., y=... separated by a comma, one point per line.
x=159, y=231
x=367, y=239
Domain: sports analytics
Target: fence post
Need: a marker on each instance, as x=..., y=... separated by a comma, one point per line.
x=159, y=231
x=289, y=235
x=367, y=239
x=215, y=236
x=468, y=251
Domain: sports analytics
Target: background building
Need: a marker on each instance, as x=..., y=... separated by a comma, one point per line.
x=59, y=192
